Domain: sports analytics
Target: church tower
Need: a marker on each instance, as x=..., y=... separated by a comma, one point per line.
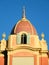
x=23, y=46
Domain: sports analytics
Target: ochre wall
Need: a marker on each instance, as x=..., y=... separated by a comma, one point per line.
x=43, y=61
x=22, y=54
x=1, y=59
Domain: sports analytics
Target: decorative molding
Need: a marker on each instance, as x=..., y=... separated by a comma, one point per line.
x=23, y=47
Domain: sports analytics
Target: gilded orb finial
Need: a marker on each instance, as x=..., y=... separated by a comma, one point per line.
x=23, y=12
x=42, y=35
x=3, y=35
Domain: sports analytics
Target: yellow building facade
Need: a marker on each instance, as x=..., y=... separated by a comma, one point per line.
x=23, y=46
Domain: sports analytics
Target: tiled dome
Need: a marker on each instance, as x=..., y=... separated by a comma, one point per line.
x=24, y=25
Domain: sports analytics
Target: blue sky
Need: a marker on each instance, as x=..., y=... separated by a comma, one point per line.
x=37, y=11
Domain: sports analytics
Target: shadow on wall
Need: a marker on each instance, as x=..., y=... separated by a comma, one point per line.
x=5, y=57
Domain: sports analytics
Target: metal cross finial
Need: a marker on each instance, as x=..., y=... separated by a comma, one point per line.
x=23, y=12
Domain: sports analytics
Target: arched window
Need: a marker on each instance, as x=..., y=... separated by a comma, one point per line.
x=23, y=38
